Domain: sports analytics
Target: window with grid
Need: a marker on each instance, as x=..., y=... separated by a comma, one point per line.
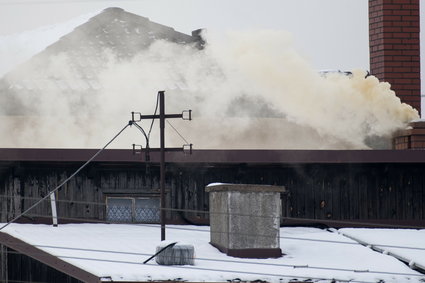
x=132, y=209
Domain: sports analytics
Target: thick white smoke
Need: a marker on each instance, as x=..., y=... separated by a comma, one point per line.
x=246, y=89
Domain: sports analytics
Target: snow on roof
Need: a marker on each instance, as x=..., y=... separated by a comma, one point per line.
x=378, y=239
x=116, y=252
x=80, y=50
x=17, y=48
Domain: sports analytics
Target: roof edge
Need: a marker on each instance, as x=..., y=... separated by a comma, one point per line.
x=215, y=156
x=46, y=258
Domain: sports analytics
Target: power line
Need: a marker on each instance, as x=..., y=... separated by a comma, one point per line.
x=177, y=132
x=196, y=211
x=310, y=220
x=237, y=261
x=67, y=179
x=167, y=209
x=259, y=235
x=283, y=265
x=76, y=219
x=147, y=135
x=244, y=234
x=57, y=200
x=353, y=243
x=154, y=113
x=143, y=132
x=222, y=261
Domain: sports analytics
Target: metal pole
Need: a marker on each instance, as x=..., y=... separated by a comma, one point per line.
x=162, y=161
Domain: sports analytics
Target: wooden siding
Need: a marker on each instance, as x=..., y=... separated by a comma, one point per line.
x=316, y=191
x=22, y=268
x=3, y=264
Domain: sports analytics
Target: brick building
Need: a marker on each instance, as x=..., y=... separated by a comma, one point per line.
x=395, y=47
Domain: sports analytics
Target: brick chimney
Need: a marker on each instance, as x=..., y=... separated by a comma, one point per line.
x=394, y=47
x=411, y=138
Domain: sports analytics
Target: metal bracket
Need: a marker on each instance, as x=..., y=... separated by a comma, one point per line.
x=137, y=149
x=188, y=115
x=136, y=113
x=187, y=148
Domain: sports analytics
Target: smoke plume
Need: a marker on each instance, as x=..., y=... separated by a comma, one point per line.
x=246, y=89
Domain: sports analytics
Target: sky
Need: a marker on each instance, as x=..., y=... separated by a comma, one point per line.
x=331, y=34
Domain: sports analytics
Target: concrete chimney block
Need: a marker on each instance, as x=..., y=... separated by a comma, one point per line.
x=245, y=219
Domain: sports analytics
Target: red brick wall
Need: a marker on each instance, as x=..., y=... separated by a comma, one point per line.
x=412, y=138
x=394, y=47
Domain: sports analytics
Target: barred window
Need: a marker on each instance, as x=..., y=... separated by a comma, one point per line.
x=132, y=209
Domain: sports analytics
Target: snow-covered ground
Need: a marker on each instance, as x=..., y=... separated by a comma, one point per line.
x=116, y=251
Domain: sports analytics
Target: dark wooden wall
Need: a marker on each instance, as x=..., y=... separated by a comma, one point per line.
x=375, y=192
x=22, y=268
x=3, y=263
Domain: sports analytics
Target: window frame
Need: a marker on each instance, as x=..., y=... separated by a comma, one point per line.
x=133, y=198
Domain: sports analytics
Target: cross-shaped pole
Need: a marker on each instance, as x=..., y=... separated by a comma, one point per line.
x=162, y=116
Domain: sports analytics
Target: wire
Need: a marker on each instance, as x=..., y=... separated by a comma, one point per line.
x=67, y=179
x=154, y=113
x=94, y=258
x=242, y=234
x=234, y=261
x=310, y=220
x=294, y=266
x=58, y=200
x=177, y=132
x=185, y=210
x=354, y=243
x=197, y=211
x=229, y=261
x=144, y=133
x=342, y=222
x=147, y=136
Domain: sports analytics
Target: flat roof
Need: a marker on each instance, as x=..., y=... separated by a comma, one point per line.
x=215, y=156
x=116, y=252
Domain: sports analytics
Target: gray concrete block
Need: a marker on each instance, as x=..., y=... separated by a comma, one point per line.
x=245, y=219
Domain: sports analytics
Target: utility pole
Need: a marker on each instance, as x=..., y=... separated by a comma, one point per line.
x=162, y=116
x=162, y=161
